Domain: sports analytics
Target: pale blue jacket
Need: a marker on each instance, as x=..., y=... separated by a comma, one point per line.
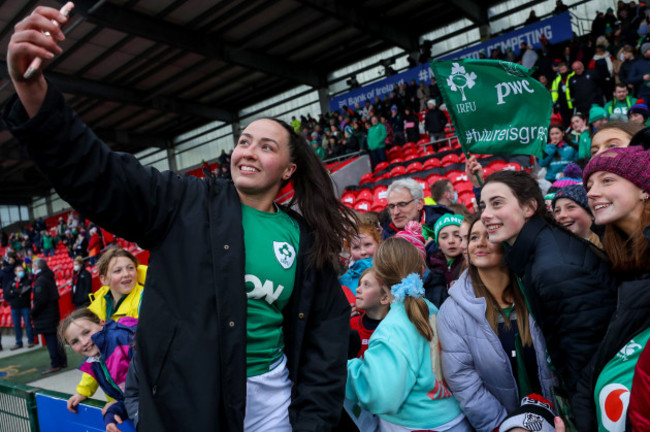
x=474, y=364
x=395, y=379
x=351, y=278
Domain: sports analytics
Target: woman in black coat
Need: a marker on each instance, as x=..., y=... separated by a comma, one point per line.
x=566, y=280
x=618, y=188
x=81, y=284
x=193, y=329
x=45, y=313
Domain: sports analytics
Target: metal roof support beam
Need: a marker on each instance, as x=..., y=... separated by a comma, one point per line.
x=128, y=139
x=372, y=24
x=73, y=85
x=472, y=10
x=147, y=27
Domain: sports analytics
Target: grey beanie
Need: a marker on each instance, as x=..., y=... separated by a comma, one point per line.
x=645, y=47
x=575, y=193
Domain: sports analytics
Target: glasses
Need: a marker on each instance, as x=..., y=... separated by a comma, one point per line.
x=400, y=205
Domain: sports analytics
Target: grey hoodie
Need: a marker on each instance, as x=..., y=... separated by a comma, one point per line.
x=474, y=364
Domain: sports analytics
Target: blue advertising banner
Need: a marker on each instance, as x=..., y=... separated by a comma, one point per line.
x=556, y=29
x=380, y=88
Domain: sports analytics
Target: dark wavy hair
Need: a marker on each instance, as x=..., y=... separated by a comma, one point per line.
x=330, y=221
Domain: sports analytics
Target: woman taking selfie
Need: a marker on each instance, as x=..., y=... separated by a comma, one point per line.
x=240, y=291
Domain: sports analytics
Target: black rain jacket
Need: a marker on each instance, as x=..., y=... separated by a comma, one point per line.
x=191, y=337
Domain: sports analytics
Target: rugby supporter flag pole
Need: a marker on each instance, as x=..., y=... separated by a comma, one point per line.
x=495, y=106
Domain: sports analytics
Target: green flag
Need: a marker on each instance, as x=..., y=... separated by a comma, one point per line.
x=496, y=107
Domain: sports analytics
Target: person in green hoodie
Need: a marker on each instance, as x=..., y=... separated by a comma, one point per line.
x=48, y=244
x=618, y=107
x=320, y=152
x=377, y=141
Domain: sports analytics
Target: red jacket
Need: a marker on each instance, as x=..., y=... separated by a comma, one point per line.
x=94, y=245
x=639, y=409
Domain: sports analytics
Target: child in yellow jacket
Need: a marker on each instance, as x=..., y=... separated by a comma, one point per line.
x=122, y=279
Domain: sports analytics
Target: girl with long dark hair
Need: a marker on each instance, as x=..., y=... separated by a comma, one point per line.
x=566, y=280
x=243, y=325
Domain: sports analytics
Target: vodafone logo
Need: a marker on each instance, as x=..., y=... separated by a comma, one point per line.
x=614, y=400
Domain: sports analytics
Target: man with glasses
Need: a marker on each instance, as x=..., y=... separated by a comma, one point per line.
x=406, y=203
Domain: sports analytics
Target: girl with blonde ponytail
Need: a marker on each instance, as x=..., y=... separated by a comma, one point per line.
x=398, y=379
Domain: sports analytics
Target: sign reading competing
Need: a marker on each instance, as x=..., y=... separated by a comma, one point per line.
x=556, y=29
x=496, y=107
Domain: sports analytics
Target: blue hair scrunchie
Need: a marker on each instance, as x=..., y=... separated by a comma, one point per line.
x=410, y=286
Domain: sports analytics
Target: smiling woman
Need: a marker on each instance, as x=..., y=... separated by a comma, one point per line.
x=240, y=292
x=486, y=302
x=567, y=282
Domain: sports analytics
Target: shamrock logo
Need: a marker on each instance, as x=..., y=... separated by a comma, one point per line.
x=459, y=79
x=284, y=253
x=284, y=250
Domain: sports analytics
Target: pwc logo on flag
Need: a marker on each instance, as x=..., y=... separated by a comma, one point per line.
x=614, y=400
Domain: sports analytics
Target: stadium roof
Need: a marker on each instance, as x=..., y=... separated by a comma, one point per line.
x=141, y=72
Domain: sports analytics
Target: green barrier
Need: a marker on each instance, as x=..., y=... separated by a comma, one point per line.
x=18, y=408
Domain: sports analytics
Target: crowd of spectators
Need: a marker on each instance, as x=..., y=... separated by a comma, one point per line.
x=533, y=306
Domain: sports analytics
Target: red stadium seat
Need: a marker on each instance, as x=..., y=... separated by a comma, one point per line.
x=410, y=157
x=408, y=146
x=513, y=166
x=364, y=195
x=414, y=167
x=464, y=187
x=497, y=165
x=453, y=174
x=423, y=184
x=397, y=171
x=431, y=163
x=449, y=159
x=363, y=206
x=457, y=179
x=423, y=141
x=366, y=178
x=381, y=166
x=379, y=192
x=444, y=149
x=349, y=197
x=378, y=207
x=432, y=178
x=398, y=160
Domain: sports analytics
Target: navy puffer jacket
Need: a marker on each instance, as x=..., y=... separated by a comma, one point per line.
x=570, y=290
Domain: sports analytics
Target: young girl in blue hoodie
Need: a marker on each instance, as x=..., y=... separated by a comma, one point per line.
x=399, y=378
x=362, y=249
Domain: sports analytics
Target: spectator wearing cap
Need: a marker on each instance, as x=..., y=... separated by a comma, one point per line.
x=435, y=121
x=639, y=75
x=597, y=117
x=639, y=113
x=618, y=189
x=449, y=258
x=572, y=175
x=571, y=210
